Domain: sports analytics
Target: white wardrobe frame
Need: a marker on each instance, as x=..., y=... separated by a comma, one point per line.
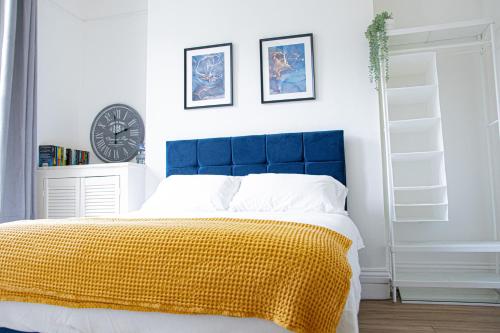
x=457, y=37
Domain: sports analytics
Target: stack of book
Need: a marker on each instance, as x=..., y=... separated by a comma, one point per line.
x=80, y=157
x=49, y=155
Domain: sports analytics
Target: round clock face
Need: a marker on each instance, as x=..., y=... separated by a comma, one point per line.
x=116, y=133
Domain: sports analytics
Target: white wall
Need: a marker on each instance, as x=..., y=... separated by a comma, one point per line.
x=99, y=9
x=345, y=98
x=60, y=58
x=114, y=68
x=91, y=54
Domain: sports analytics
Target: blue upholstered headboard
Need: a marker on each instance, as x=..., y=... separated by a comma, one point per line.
x=315, y=153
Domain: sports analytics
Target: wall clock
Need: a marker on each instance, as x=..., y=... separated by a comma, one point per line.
x=116, y=133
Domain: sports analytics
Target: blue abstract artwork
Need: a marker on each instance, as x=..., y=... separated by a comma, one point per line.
x=208, y=76
x=287, y=69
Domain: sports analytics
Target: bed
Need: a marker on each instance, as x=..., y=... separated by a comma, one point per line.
x=313, y=153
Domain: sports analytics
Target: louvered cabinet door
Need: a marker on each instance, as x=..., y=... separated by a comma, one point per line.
x=62, y=197
x=100, y=196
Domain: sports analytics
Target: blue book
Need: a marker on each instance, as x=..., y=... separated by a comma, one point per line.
x=46, y=155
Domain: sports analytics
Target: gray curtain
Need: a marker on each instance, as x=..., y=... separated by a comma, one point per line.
x=17, y=108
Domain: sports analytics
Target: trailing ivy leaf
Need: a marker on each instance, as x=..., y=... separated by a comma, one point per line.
x=379, y=49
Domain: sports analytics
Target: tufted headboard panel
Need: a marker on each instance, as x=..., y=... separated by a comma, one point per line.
x=315, y=153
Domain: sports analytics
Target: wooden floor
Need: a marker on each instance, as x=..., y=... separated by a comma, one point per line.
x=387, y=317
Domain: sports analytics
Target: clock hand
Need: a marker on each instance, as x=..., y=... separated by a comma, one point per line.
x=124, y=130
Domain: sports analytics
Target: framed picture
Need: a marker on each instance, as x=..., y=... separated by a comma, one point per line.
x=208, y=76
x=287, y=68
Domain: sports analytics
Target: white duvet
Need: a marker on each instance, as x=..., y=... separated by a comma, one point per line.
x=43, y=318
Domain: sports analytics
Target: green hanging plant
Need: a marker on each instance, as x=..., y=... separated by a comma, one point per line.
x=379, y=49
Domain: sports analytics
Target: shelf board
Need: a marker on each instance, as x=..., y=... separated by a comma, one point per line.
x=457, y=296
x=429, y=35
x=448, y=280
x=472, y=27
x=422, y=204
x=418, y=188
x=449, y=246
x=91, y=166
x=418, y=220
x=416, y=156
x=411, y=94
x=413, y=125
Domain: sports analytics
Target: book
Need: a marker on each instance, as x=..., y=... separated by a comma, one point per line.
x=68, y=158
x=46, y=155
x=51, y=155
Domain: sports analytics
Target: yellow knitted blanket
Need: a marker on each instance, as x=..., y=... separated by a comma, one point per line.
x=294, y=274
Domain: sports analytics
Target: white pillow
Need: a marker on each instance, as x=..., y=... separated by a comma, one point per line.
x=289, y=193
x=193, y=193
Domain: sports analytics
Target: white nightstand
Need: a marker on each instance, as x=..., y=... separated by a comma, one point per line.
x=89, y=190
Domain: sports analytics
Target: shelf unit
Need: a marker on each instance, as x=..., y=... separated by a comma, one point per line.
x=415, y=170
x=415, y=140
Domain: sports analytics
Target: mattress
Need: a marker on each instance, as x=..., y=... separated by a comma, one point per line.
x=29, y=317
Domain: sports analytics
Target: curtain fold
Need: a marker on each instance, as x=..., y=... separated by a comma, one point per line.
x=17, y=108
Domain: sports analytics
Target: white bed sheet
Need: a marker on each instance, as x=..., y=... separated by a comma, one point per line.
x=43, y=318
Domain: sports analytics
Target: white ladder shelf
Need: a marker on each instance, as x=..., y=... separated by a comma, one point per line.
x=416, y=187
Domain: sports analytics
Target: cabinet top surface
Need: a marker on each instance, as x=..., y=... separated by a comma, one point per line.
x=93, y=166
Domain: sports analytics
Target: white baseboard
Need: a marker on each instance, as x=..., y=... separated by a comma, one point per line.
x=375, y=291
x=375, y=283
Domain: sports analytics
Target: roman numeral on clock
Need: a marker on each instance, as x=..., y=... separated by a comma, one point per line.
x=134, y=132
x=132, y=122
x=101, y=144
x=107, y=151
x=116, y=154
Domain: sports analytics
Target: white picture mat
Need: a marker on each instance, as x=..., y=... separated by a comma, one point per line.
x=227, y=76
x=306, y=40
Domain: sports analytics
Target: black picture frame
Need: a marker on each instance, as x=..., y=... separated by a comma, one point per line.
x=229, y=96
x=263, y=77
